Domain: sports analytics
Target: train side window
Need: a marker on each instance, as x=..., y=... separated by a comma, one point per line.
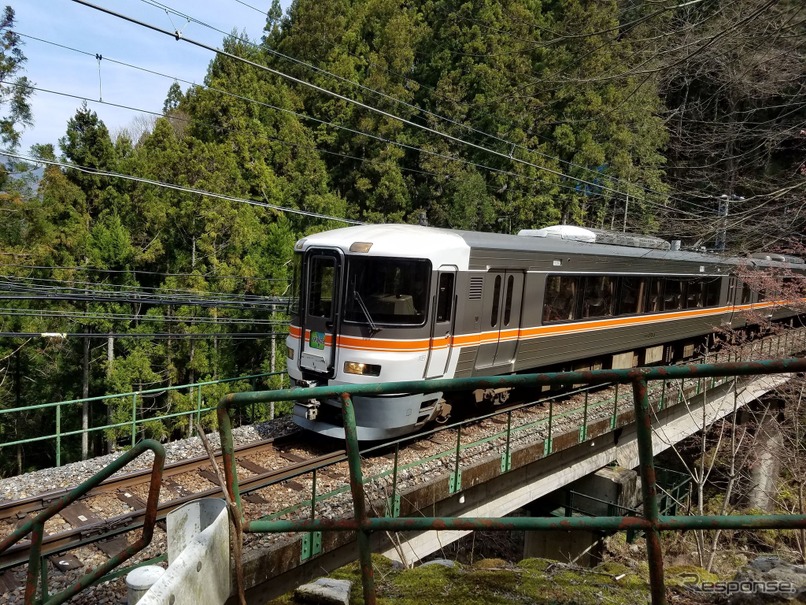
x=597, y=297
x=631, y=298
x=508, y=301
x=559, y=298
x=672, y=294
x=496, y=301
x=655, y=295
x=320, y=297
x=550, y=293
x=694, y=293
x=747, y=294
x=712, y=287
x=445, y=297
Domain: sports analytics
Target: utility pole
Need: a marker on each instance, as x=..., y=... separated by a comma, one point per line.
x=626, y=207
x=721, y=234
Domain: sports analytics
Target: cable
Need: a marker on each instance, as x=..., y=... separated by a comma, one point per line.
x=348, y=99
x=155, y=336
x=509, y=144
x=332, y=124
x=219, y=196
x=91, y=269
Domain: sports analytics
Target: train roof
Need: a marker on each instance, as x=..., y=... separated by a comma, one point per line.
x=390, y=239
x=418, y=241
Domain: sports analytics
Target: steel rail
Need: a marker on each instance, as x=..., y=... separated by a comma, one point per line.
x=32, y=504
x=133, y=520
x=651, y=523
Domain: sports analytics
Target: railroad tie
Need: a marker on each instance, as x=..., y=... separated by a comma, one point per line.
x=113, y=546
x=131, y=500
x=176, y=488
x=65, y=562
x=252, y=467
x=79, y=514
x=8, y=582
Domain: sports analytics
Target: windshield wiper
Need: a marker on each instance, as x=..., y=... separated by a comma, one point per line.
x=372, y=325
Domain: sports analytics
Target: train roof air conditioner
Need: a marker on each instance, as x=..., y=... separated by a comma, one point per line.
x=598, y=236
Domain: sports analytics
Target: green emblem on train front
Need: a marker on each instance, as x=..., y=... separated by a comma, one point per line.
x=317, y=340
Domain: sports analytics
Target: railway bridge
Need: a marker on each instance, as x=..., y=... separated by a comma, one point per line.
x=486, y=469
x=513, y=475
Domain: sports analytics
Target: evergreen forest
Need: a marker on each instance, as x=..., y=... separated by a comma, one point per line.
x=160, y=255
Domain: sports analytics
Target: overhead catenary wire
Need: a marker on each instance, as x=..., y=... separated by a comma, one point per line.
x=510, y=145
x=282, y=209
x=349, y=100
x=193, y=190
x=143, y=318
x=332, y=124
x=151, y=335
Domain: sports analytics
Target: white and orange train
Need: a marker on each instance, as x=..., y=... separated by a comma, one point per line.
x=382, y=303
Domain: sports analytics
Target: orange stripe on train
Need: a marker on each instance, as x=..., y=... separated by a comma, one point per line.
x=513, y=334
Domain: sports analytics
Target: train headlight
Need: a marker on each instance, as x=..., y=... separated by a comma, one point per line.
x=363, y=369
x=289, y=352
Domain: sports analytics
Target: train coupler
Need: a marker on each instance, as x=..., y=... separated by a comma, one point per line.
x=492, y=396
x=307, y=409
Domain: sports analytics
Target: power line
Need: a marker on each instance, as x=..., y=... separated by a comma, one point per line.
x=509, y=144
x=344, y=128
x=348, y=99
x=192, y=190
x=154, y=336
x=91, y=269
x=347, y=129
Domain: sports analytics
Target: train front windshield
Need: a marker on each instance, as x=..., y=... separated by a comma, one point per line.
x=387, y=291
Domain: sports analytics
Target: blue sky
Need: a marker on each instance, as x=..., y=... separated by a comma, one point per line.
x=82, y=28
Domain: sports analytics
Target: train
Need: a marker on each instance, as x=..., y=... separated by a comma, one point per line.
x=394, y=302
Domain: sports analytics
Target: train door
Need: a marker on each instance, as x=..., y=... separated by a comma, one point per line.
x=501, y=315
x=320, y=312
x=439, y=352
x=731, y=300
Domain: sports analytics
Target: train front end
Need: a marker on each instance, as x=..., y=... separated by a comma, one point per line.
x=368, y=312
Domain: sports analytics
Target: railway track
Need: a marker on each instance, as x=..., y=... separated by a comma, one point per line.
x=292, y=459
x=87, y=526
x=275, y=477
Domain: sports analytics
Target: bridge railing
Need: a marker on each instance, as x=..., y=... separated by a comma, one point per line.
x=198, y=394
x=651, y=522
x=36, y=528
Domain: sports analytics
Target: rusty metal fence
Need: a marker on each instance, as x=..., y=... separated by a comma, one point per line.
x=37, y=571
x=651, y=523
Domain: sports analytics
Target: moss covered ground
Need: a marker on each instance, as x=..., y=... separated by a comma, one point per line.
x=495, y=581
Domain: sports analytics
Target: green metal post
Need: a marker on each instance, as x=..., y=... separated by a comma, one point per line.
x=58, y=435
x=615, y=410
x=456, y=482
x=506, y=463
x=583, y=431
x=649, y=490
x=313, y=495
x=357, y=488
x=198, y=405
x=547, y=443
x=393, y=508
x=228, y=450
x=44, y=580
x=134, y=419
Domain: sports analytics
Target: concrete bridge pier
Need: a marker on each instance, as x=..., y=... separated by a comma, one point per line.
x=610, y=491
